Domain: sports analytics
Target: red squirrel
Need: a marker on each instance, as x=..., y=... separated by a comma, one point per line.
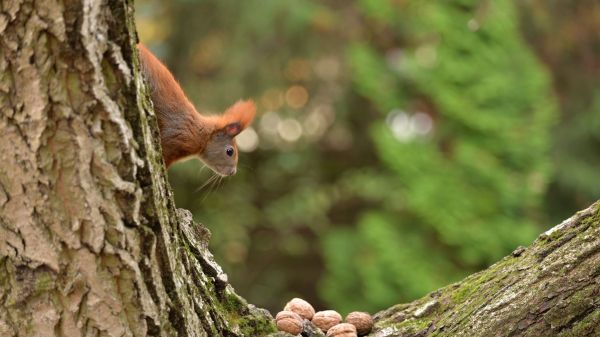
x=183, y=131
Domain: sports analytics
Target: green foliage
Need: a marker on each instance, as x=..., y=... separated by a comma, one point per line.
x=424, y=150
x=468, y=190
x=379, y=261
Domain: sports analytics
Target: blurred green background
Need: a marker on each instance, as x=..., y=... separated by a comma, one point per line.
x=399, y=145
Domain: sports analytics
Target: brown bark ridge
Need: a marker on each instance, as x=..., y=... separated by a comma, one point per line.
x=551, y=288
x=90, y=241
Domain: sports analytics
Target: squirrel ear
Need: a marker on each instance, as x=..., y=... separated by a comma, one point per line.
x=241, y=113
x=233, y=129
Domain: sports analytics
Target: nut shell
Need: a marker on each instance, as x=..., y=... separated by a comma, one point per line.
x=301, y=307
x=362, y=321
x=342, y=330
x=326, y=319
x=289, y=322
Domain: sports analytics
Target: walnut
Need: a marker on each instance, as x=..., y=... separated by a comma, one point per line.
x=301, y=307
x=362, y=321
x=342, y=330
x=326, y=319
x=289, y=321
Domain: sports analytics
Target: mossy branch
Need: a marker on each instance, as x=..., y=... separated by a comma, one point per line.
x=551, y=288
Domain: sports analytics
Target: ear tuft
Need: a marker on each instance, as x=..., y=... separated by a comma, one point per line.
x=242, y=113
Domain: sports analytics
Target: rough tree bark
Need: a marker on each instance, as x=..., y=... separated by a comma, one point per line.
x=91, y=243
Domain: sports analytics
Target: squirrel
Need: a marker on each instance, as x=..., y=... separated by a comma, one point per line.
x=183, y=131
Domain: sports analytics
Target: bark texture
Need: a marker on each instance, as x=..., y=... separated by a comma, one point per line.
x=90, y=241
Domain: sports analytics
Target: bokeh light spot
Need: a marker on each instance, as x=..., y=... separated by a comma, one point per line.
x=269, y=122
x=473, y=25
x=247, y=141
x=315, y=125
x=422, y=123
x=296, y=96
x=289, y=130
x=407, y=126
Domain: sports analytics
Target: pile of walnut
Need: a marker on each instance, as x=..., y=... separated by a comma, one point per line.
x=297, y=310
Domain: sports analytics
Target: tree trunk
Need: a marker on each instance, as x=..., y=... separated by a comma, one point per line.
x=91, y=243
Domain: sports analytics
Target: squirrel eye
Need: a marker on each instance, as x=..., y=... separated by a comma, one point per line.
x=229, y=151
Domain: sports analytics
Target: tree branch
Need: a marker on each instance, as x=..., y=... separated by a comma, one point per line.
x=551, y=288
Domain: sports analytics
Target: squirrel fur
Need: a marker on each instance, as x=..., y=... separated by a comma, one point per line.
x=183, y=131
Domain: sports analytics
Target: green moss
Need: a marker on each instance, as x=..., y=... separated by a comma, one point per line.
x=576, y=306
x=43, y=283
x=594, y=219
x=585, y=327
x=413, y=325
x=256, y=326
x=421, y=324
x=234, y=303
x=250, y=322
x=555, y=235
x=467, y=288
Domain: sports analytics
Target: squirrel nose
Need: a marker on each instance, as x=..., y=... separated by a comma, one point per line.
x=232, y=171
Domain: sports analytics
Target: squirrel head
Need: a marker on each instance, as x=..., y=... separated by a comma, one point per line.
x=221, y=153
